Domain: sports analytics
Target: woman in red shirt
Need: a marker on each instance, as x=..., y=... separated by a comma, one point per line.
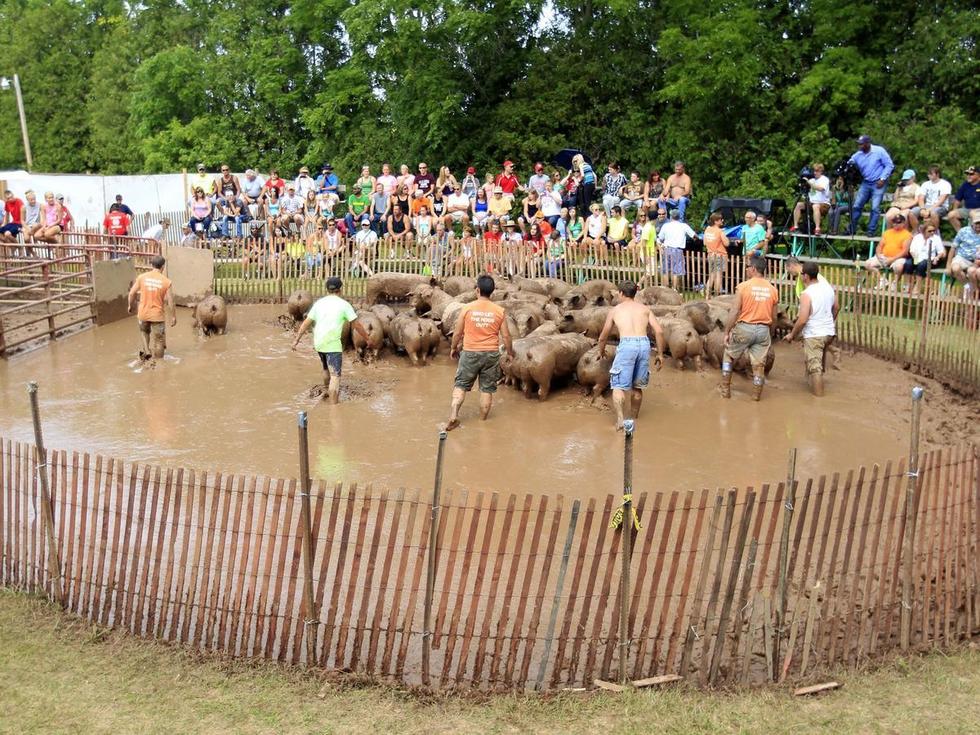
x=491, y=244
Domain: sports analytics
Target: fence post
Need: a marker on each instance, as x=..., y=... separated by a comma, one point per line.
x=312, y=618
x=926, y=303
x=47, y=514
x=784, y=548
x=911, y=511
x=624, y=582
x=430, y=575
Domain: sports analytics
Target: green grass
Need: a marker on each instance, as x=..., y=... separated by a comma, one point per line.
x=60, y=675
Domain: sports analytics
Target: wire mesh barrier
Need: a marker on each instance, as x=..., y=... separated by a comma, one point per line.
x=738, y=586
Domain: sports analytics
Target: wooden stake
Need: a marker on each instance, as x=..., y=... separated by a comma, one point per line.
x=911, y=503
x=54, y=563
x=784, y=548
x=430, y=575
x=624, y=580
x=312, y=618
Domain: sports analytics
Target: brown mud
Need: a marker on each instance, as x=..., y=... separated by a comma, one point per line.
x=229, y=402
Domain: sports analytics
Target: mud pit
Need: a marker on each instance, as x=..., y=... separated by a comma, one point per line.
x=230, y=403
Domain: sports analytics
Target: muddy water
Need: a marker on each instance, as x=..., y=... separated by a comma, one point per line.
x=230, y=403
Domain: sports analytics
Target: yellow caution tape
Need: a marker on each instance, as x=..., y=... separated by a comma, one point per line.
x=617, y=519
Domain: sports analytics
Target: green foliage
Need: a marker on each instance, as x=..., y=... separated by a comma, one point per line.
x=746, y=92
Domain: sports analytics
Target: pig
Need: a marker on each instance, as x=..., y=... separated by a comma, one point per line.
x=521, y=322
x=529, y=285
x=587, y=321
x=387, y=287
x=702, y=316
x=384, y=312
x=682, y=340
x=659, y=311
x=590, y=293
x=659, y=296
x=592, y=371
x=298, y=304
x=546, y=359
x=211, y=316
x=429, y=300
x=502, y=296
x=510, y=365
x=408, y=334
x=714, y=350
x=431, y=337
x=450, y=316
x=455, y=285
x=554, y=287
x=368, y=348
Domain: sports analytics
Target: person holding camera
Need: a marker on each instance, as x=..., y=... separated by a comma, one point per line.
x=876, y=167
x=817, y=188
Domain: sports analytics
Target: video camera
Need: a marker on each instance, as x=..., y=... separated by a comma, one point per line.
x=803, y=180
x=847, y=170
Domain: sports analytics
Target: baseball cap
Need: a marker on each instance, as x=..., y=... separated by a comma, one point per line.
x=471, y=170
x=908, y=174
x=971, y=170
x=200, y=167
x=864, y=139
x=334, y=283
x=497, y=190
x=327, y=167
x=365, y=223
x=975, y=217
x=539, y=166
x=60, y=197
x=304, y=170
x=508, y=162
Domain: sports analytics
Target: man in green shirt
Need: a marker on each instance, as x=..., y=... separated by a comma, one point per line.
x=327, y=316
x=357, y=207
x=753, y=237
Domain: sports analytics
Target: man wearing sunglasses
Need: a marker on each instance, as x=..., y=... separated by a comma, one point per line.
x=964, y=257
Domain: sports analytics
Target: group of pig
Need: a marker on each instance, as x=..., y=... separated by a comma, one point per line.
x=555, y=326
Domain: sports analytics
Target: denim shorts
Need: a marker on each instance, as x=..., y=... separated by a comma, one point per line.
x=631, y=367
x=331, y=361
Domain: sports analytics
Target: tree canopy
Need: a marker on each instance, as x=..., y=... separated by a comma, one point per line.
x=745, y=91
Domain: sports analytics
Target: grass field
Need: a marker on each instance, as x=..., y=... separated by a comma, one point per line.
x=60, y=675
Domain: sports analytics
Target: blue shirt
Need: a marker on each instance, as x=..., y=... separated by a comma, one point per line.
x=967, y=243
x=968, y=195
x=588, y=175
x=325, y=183
x=875, y=165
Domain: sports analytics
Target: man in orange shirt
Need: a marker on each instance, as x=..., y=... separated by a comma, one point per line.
x=480, y=327
x=156, y=298
x=750, y=327
x=892, y=250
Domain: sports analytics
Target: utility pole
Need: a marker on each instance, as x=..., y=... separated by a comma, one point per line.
x=5, y=83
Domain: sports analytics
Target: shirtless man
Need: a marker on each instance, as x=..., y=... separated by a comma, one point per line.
x=631, y=368
x=677, y=191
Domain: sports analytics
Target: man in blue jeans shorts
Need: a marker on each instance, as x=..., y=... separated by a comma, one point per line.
x=631, y=367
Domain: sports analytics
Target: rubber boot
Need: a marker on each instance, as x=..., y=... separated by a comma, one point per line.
x=758, y=381
x=726, y=380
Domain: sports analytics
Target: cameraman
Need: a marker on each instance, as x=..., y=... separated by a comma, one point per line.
x=818, y=192
x=875, y=166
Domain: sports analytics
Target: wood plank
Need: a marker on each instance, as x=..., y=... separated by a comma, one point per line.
x=219, y=574
x=816, y=689
x=401, y=576
x=131, y=595
x=524, y=596
x=228, y=607
x=490, y=609
x=284, y=610
x=939, y=540
x=149, y=558
x=183, y=515
x=126, y=499
x=717, y=575
x=642, y=577
x=925, y=546
x=242, y=586
x=542, y=589
x=742, y=602
x=691, y=618
x=516, y=555
x=368, y=582
x=891, y=594
x=863, y=565
x=398, y=503
x=155, y=610
x=729, y=595
x=413, y=592
x=573, y=596
x=167, y=620
x=879, y=558
x=261, y=646
x=325, y=557
x=578, y=642
x=209, y=530
x=453, y=631
x=346, y=621
x=338, y=581
x=99, y=586
x=839, y=593
x=656, y=681
x=68, y=502
x=840, y=513
x=470, y=627
x=459, y=513
x=607, y=589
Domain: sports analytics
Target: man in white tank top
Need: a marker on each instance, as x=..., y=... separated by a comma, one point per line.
x=817, y=323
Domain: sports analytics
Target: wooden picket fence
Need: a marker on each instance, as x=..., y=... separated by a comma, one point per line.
x=735, y=586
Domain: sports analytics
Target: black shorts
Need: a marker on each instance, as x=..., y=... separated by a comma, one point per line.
x=919, y=269
x=331, y=361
